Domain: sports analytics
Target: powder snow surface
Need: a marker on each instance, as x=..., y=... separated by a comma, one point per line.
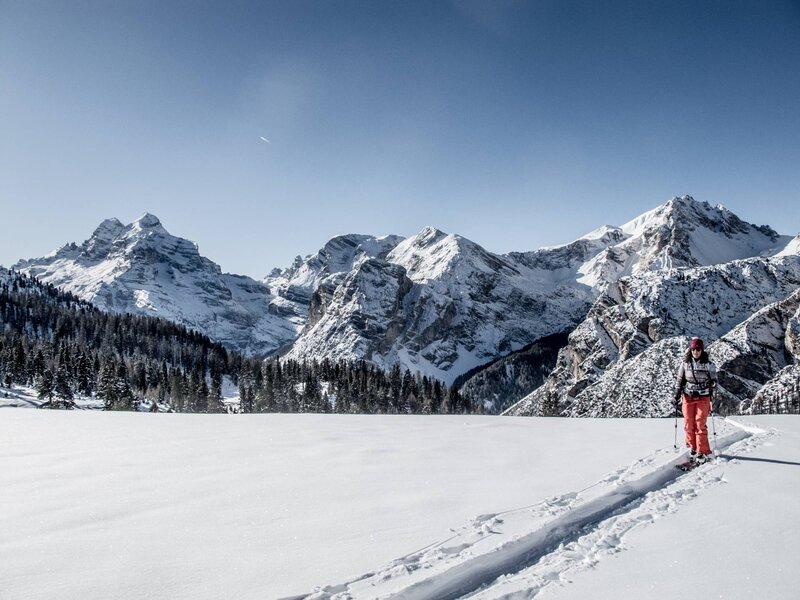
x=99, y=505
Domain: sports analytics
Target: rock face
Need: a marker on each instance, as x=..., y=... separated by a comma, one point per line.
x=294, y=288
x=141, y=269
x=622, y=359
x=759, y=358
x=440, y=304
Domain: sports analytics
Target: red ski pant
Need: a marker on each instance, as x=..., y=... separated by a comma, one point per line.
x=695, y=414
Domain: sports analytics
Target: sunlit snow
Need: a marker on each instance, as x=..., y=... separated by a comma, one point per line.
x=134, y=505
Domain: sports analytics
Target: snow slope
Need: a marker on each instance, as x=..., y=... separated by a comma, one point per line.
x=733, y=534
x=128, y=505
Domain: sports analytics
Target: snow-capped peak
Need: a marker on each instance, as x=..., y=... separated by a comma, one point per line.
x=431, y=253
x=792, y=248
x=427, y=236
x=141, y=268
x=100, y=242
x=147, y=221
x=435, y=302
x=339, y=255
x=108, y=229
x=606, y=232
x=680, y=233
x=659, y=216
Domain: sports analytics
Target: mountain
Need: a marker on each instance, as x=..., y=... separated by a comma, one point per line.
x=793, y=247
x=435, y=302
x=142, y=269
x=440, y=304
x=294, y=287
x=443, y=305
x=680, y=233
x=622, y=359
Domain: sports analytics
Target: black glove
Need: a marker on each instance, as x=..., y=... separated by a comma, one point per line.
x=677, y=398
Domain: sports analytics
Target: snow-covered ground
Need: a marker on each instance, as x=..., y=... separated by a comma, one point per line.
x=23, y=396
x=134, y=505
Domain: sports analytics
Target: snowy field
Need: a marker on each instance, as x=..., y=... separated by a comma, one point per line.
x=97, y=505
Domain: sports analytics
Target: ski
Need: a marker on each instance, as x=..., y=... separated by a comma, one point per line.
x=687, y=466
x=691, y=464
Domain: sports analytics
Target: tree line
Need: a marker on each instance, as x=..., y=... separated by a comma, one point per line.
x=65, y=347
x=342, y=387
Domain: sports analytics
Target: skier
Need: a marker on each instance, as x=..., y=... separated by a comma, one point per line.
x=697, y=378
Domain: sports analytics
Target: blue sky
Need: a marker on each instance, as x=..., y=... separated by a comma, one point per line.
x=515, y=124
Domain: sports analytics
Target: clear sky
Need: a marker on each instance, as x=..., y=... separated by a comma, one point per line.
x=515, y=124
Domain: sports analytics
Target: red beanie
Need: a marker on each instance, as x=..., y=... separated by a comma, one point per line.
x=696, y=343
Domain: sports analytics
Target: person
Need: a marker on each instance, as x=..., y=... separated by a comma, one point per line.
x=697, y=379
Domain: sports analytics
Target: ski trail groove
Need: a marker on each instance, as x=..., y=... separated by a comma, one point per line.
x=561, y=521
x=470, y=575
x=588, y=547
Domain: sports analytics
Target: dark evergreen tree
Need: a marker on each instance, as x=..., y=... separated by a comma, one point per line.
x=62, y=390
x=215, y=403
x=125, y=398
x=200, y=392
x=38, y=366
x=107, y=385
x=45, y=387
x=246, y=397
x=19, y=373
x=551, y=405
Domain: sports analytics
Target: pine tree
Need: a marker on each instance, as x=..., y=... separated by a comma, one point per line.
x=215, y=403
x=125, y=399
x=245, y=391
x=84, y=375
x=176, y=390
x=106, y=385
x=38, y=365
x=201, y=394
x=325, y=404
x=454, y=401
x=18, y=370
x=62, y=389
x=139, y=382
x=551, y=405
x=45, y=387
x=311, y=398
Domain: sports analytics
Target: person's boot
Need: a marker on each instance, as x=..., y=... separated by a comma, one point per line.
x=702, y=459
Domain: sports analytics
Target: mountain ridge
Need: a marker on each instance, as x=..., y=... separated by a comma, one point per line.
x=434, y=302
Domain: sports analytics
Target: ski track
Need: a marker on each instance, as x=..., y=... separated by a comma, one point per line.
x=548, y=541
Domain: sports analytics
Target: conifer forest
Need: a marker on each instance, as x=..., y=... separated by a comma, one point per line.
x=64, y=347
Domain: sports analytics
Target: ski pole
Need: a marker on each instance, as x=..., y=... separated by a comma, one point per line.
x=675, y=442
x=714, y=429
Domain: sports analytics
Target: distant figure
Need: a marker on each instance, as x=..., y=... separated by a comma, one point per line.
x=697, y=379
